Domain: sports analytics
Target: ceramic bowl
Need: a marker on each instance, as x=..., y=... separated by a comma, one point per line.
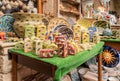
x=23, y=19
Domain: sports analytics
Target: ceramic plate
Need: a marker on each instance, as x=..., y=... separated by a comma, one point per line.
x=85, y=23
x=56, y=22
x=110, y=57
x=63, y=29
x=102, y=24
x=6, y=23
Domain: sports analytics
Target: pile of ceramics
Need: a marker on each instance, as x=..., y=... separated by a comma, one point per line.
x=90, y=73
x=9, y=6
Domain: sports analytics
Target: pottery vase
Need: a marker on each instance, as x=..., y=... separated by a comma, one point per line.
x=23, y=19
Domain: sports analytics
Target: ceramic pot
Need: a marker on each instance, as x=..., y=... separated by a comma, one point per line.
x=23, y=19
x=107, y=32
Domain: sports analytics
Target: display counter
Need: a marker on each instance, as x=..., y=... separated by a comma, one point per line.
x=55, y=67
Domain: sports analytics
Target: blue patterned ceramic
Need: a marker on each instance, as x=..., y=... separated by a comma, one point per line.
x=91, y=32
x=64, y=30
x=70, y=21
x=107, y=32
x=110, y=57
x=6, y=23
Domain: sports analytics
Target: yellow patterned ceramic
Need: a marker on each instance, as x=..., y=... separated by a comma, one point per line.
x=56, y=22
x=23, y=19
x=85, y=23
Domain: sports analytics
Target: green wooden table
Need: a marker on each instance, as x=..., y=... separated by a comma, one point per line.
x=55, y=67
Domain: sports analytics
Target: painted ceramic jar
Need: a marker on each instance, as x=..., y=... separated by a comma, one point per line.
x=23, y=19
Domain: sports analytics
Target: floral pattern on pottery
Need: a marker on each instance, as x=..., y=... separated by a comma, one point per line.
x=6, y=23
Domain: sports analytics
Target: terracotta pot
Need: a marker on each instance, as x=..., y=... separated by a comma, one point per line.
x=23, y=19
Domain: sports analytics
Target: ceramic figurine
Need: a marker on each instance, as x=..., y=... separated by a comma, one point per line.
x=27, y=45
x=19, y=45
x=41, y=31
x=29, y=31
x=62, y=50
x=46, y=53
x=85, y=38
x=37, y=45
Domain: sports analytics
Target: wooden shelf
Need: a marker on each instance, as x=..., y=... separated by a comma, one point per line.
x=72, y=12
x=71, y=2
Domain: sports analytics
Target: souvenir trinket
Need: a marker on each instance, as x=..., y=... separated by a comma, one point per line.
x=96, y=38
x=71, y=49
x=19, y=45
x=27, y=45
x=75, y=46
x=52, y=46
x=41, y=31
x=46, y=53
x=24, y=19
x=37, y=45
x=59, y=39
x=85, y=38
x=77, y=29
x=29, y=31
x=92, y=30
x=62, y=50
x=77, y=38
